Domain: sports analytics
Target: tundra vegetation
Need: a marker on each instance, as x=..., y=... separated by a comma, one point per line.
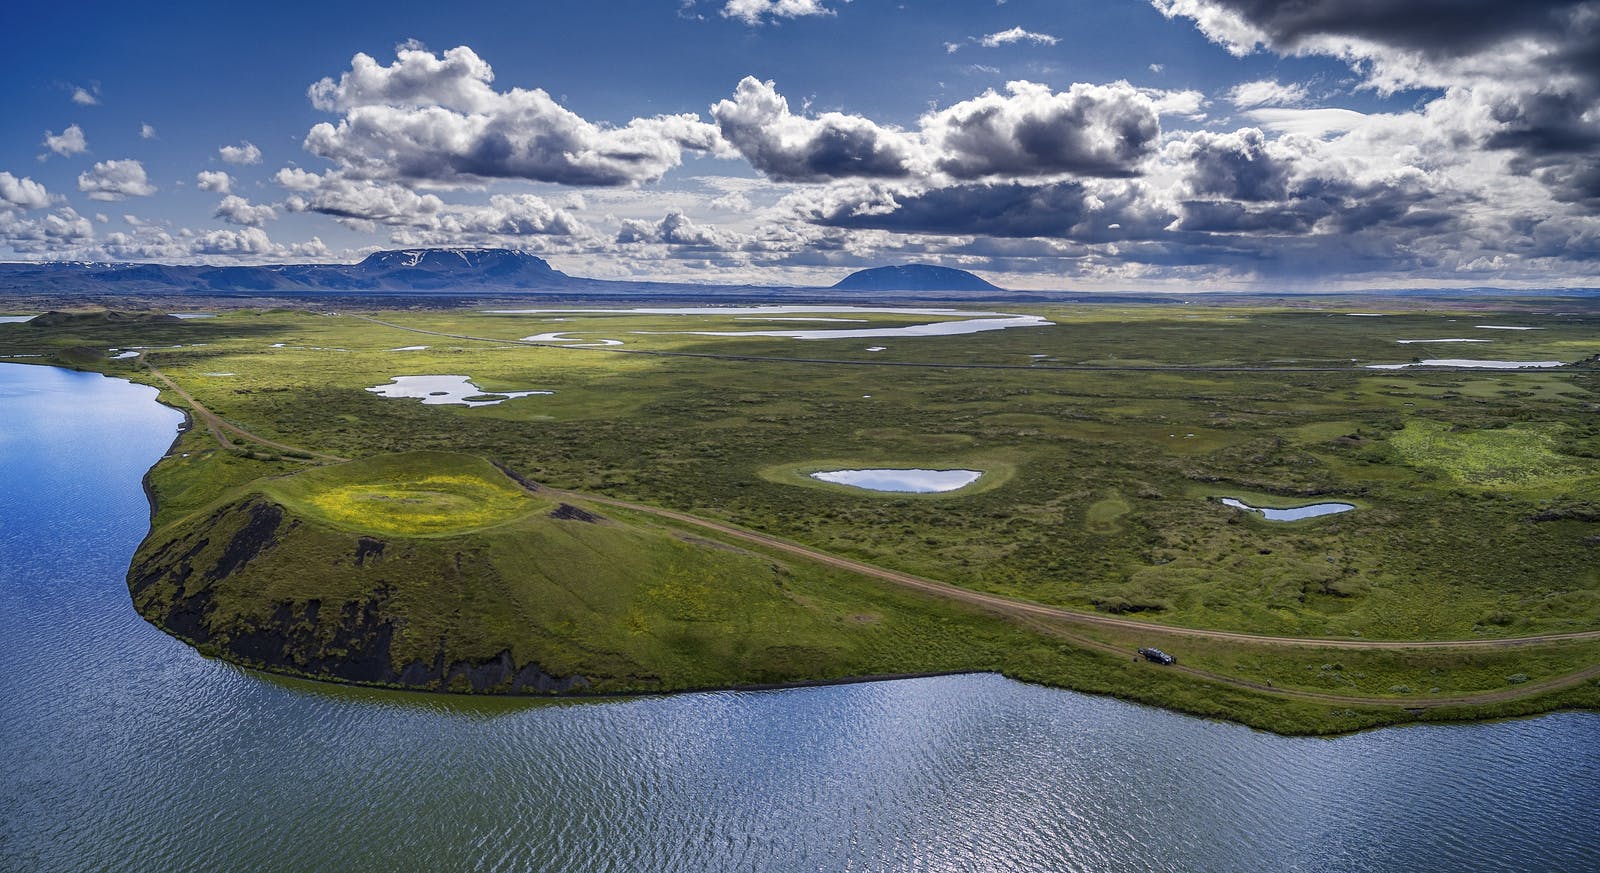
x=459, y=548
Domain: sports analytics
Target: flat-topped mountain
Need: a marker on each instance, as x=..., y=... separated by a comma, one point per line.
x=914, y=277
x=418, y=268
x=404, y=270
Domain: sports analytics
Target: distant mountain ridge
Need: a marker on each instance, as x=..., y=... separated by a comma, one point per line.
x=914, y=277
x=443, y=272
x=401, y=270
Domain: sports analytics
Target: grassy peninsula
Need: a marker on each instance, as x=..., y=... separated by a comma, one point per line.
x=651, y=525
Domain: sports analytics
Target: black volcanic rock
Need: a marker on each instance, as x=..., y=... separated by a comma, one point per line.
x=914, y=277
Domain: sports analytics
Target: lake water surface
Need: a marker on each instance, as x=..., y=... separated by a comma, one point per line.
x=1293, y=513
x=439, y=390
x=902, y=481
x=122, y=749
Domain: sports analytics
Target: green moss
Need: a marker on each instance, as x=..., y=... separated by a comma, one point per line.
x=1517, y=456
x=409, y=494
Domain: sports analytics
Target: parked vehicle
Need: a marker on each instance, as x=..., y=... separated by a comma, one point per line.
x=1157, y=656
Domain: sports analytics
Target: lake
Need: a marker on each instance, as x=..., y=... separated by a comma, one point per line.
x=976, y=322
x=122, y=749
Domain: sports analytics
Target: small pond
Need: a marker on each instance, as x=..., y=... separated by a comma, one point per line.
x=914, y=481
x=559, y=337
x=436, y=390
x=1446, y=340
x=1293, y=514
x=1469, y=363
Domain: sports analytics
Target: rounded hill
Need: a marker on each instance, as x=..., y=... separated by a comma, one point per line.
x=914, y=277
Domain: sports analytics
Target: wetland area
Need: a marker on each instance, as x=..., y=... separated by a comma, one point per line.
x=656, y=520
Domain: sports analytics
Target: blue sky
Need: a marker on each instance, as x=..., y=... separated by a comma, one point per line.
x=1133, y=144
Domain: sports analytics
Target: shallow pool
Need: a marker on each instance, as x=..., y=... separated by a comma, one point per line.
x=1469, y=363
x=437, y=390
x=915, y=481
x=1296, y=513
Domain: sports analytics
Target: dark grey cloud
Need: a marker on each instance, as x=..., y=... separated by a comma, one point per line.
x=1004, y=210
x=1535, y=65
x=1435, y=27
x=1235, y=166
x=786, y=147
x=1087, y=130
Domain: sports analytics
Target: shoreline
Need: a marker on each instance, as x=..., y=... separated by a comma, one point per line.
x=565, y=697
x=1376, y=713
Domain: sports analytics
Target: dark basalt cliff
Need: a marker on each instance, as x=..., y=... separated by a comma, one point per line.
x=188, y=585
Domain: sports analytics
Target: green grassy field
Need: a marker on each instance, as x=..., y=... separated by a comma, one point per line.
x=1477, y=492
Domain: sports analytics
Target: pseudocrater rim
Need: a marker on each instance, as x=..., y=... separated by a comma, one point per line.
x=920, y=479
x=406, y=494
x=1289, y=513
x=439, y=390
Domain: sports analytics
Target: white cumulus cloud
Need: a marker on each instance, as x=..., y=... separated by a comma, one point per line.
x=237, y=210
x=1266, y=92
x=20, y=192
x=68, y=142
x=244, y=153
x=1017, y=35
x=214, y=180
x=757, y=11
x=115, y=180
x=438, y=120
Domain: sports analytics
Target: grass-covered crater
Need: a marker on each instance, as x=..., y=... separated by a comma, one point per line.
x=406, y=494
x=441, y=571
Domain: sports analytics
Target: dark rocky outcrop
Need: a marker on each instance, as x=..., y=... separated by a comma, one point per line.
x=516, y=477
x=568, y=512
x=177, y=585
x=368, y=547
x=1587, y=512
x=96, y=318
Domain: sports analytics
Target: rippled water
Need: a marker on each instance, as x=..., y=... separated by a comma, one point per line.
x=121, y=749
